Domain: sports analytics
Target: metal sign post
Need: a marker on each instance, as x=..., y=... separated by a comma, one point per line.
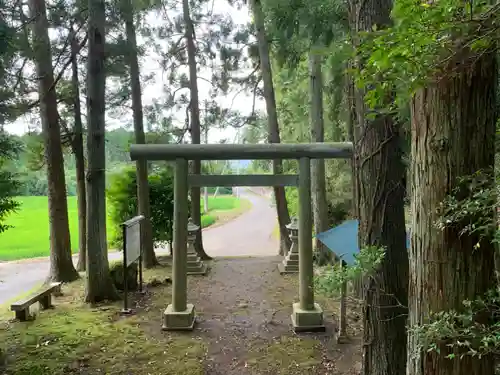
x=132, y=251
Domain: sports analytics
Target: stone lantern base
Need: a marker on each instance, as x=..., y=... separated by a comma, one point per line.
x=290, y=264
x=195, y=266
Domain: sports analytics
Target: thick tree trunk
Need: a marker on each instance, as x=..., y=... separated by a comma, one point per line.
x=195, y=126
x=99, y=284
x=148, y=251
x=320, y=204
x=380, y=173
x=453, y=133
x=382, y=224
x=61, y=263
x=272, y=120
x=77, y=144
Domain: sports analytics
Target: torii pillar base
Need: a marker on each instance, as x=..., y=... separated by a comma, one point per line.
x=179, y=320
x=307, y=320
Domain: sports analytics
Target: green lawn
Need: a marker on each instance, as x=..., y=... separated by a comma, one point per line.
x=30, y=236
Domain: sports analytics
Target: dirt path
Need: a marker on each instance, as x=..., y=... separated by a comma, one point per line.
x=244, y=308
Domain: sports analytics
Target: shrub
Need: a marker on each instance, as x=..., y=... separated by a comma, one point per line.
x=9, y=149
x=116, y=273
x=122, y=198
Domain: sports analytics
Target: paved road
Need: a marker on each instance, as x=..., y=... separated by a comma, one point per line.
x=25, y=275
x=248, y=235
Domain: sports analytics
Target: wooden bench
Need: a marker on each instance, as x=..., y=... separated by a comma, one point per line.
x=44, y=296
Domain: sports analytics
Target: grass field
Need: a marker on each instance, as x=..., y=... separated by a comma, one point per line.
x=30, y=236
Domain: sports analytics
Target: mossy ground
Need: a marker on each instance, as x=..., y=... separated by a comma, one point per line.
x=243, y=308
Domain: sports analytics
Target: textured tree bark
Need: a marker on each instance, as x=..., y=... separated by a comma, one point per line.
x=380, y=204
x=351, y=121
x=273, y=126
x=195, y=126
x=453, y=133
x=99, y=283
x=148, y=252
x=77, y=144
x=320, y=204
x=351, y=128
x=61, y=263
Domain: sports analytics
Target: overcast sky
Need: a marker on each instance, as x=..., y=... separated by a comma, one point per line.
x=154, y=90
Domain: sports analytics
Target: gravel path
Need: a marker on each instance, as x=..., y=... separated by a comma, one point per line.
x=248, y=235
x=243, y=311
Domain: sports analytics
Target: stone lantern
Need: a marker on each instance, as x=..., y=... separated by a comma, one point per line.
x=291, y=262
x=195, y=265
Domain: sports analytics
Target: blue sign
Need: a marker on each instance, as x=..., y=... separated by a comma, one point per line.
x=343, y=240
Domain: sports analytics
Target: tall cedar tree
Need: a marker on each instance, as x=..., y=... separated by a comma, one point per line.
x=61, y=263
x=453, y=135
x=195, y=126
x=148, y=252
x=99, y=284
x=380, y=203
x=318, y=183
x=78, y=147
x=272, y=119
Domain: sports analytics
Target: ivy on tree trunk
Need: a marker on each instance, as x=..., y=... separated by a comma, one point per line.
x=379, y=189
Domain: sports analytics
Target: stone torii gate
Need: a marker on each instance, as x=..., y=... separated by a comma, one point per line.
x=307, y=316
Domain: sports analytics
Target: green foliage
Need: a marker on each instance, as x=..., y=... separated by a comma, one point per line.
x=425, y=43
x=471, y=206
x=297, y=25
x=122, y=197
x=9, y=149
x=339, y=191
x=331, y=277
x=29, y=165
x=474, y=329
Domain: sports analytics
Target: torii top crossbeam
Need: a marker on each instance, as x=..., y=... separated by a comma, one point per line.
x=266, y=151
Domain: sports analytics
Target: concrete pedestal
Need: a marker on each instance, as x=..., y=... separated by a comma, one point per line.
x=179, y=320
x=290, y=264
x=195, y=265
x=307, y=320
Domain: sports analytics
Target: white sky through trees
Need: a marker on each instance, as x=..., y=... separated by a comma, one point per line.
x=153, y=89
